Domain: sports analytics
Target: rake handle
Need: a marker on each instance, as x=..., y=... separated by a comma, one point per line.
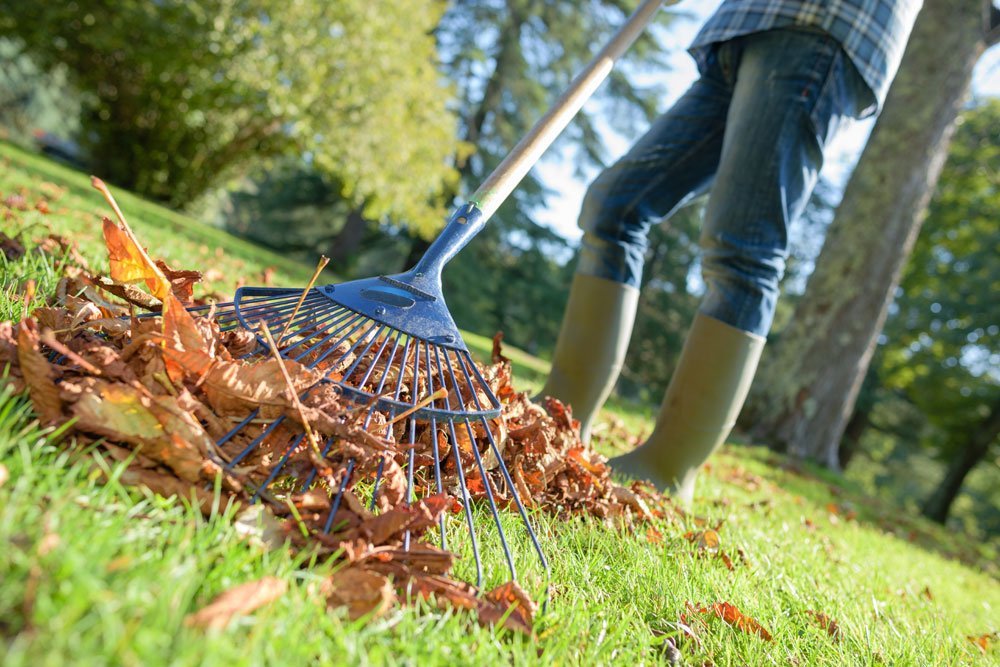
x=470, y=218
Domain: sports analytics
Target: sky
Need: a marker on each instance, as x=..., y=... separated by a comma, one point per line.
x=557, y=170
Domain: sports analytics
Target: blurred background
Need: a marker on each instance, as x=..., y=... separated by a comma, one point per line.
x=351, y=128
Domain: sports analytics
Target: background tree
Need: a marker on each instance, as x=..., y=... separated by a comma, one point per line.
x=178, y=95
x=942, y=346
x=802, y=399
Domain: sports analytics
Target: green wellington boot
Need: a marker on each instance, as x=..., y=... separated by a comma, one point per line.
x=705, y=396
x=591, y=347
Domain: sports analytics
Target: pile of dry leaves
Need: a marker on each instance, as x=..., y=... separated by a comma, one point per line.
x=161, y=389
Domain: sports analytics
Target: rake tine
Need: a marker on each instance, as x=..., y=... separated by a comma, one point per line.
x=340, y=495
x=361, y=319
x=482, y=471
x=415, y=393
x=434, y=437
x=280, y=317
x=312, y=473
x=255, y=443
x=371, y=342
x=371, y=366
x=456, y=454
x=277, y=468
x=239, y=427
x=517, y=499
x=506, y=473
x=385, y=376
x=332, y=321
x=392, y=413
x=466, y=502
x=409, y=477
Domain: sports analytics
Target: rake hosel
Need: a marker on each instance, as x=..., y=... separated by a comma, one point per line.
x=465, y=223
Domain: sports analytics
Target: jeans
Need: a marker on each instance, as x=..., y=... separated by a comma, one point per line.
x=753, y=128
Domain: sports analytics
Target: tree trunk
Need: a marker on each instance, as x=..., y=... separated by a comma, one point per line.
x=806, y=389
x=977, y=442
x=344, y=247
x=850, y=444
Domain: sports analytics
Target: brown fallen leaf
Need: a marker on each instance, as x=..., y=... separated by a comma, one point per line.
x=983, y=642
x=38, y=373
x=11, y=248
x=708, y=541
x=167, y=433
x=167, y=485
x=827, y=623
x=362, y=591
x=732, y=616
x=515, y=608
x=237, y=601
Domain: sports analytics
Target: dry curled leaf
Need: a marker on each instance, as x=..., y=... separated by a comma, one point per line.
x=129, y=261
x=38, y=373
x=361, y=591
x=732, y=616
x=826, y=623
x=11, y=248
x=511, y=605
x=238, y=601
x=983, y=642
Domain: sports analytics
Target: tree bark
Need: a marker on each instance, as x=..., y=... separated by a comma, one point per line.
x=850, y=444
x=807, y=386
x=344, y=246
x=977, y=444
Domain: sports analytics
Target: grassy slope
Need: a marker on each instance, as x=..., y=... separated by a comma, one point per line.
x=91, y=573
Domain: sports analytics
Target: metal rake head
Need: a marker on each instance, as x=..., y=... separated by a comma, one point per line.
x=425, y=394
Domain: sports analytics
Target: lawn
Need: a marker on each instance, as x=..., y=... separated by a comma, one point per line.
x=94, y=573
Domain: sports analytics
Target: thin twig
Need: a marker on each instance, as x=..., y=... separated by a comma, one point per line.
x=323, y=261
x=50, y=339
x=29, y=295
x=440, y=393
x=296, y=403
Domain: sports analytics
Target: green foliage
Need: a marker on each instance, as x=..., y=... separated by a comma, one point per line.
x=943, y=346
x=33, y=100
x=178, y=94
x=939, y=362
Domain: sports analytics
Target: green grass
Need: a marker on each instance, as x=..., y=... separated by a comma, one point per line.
x=92, y=573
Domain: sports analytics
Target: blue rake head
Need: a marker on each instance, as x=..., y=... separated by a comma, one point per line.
x=390, y=344
x=365, y=333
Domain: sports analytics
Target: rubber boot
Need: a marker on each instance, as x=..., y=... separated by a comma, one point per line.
x=699, y=410
x=590, y=350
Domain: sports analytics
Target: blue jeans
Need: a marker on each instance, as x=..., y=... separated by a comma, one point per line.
x=753, y=128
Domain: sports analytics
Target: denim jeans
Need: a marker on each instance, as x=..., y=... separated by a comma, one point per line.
x=753, y=128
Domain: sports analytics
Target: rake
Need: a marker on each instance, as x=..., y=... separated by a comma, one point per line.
x=390, y=344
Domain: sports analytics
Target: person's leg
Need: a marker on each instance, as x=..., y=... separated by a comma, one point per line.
x=792, y=90
x=671, y=163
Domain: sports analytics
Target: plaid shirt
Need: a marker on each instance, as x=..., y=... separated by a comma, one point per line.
x=873, y=33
